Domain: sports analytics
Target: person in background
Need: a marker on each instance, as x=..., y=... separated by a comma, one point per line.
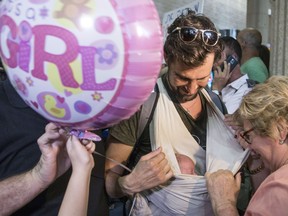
x=250, y=40
x=33, y=179
x=264, y=54
x=231, y=85
x=264, y=116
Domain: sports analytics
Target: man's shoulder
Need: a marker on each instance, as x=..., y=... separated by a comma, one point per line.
x=253, y=63
x=243, y=82
x=217, y=101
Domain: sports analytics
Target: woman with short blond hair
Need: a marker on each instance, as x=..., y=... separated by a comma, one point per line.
x=264, y=116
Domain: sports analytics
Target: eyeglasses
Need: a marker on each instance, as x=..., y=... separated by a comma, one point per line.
x=245, y=135
x=189, y=34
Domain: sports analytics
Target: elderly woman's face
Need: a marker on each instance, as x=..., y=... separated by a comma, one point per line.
x=262, y=145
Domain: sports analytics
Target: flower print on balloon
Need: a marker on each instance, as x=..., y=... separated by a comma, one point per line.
x=106, y=55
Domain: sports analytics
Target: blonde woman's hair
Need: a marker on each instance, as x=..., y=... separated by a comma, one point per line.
x=266, y=107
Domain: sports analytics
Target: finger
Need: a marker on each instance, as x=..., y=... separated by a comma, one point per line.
x=228, y=68
x=238, y=179
x=169, y=174
x=52, y=127
x=159, y=160
x=62, y=131
x=216, y=72
x=85, y=141
x=74, y=141
x=52, y=130
x=90, y=147
x=225, y=68
x=93, y=148
x=47, y=137
x=165, y=166
x=229, y=115
x=219, y=71
x=152, y=154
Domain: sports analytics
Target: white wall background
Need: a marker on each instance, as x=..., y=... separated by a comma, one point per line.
x=230, y=14
x=226, y=14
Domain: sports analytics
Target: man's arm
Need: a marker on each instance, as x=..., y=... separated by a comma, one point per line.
x=151, y=170
x=17, y=191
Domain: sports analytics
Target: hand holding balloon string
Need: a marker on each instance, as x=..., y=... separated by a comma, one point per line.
x=86, y=135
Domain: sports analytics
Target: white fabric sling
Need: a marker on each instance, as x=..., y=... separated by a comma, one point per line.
x=187, y=194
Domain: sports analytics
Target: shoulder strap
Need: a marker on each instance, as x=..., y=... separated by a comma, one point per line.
x=146, y=115
x=217, y=100
x=147, y=111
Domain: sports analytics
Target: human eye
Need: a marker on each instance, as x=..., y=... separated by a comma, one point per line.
x=181, y=78
x=201, y=79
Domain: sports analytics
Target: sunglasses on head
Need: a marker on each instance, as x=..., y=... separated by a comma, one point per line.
x=189, y=34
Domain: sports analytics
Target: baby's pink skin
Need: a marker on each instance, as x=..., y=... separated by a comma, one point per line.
x=186, y=164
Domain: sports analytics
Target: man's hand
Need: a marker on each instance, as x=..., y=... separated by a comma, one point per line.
x=221, y=77
x=54, y=160
x=152, y=170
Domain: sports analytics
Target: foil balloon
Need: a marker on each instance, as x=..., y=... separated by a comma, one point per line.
x=82, y=64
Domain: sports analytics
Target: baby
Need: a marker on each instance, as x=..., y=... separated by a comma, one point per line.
x=186, y=164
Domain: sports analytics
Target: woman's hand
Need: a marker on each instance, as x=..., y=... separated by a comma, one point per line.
x=80, y=153
x=223, y=189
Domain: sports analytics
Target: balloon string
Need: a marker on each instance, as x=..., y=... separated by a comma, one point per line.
x=114, y=161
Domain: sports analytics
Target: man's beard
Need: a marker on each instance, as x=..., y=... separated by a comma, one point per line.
x=184, y=98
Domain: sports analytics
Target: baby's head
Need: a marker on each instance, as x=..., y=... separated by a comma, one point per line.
x=186, y=164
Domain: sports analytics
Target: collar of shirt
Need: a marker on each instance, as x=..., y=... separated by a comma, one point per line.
x=236, y=84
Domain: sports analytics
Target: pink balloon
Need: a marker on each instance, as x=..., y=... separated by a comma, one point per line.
x=82, y=64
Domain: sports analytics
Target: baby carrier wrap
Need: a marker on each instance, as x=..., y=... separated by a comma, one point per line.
x=187, y=194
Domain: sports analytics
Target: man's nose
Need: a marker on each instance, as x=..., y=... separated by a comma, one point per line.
x=192, y=87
